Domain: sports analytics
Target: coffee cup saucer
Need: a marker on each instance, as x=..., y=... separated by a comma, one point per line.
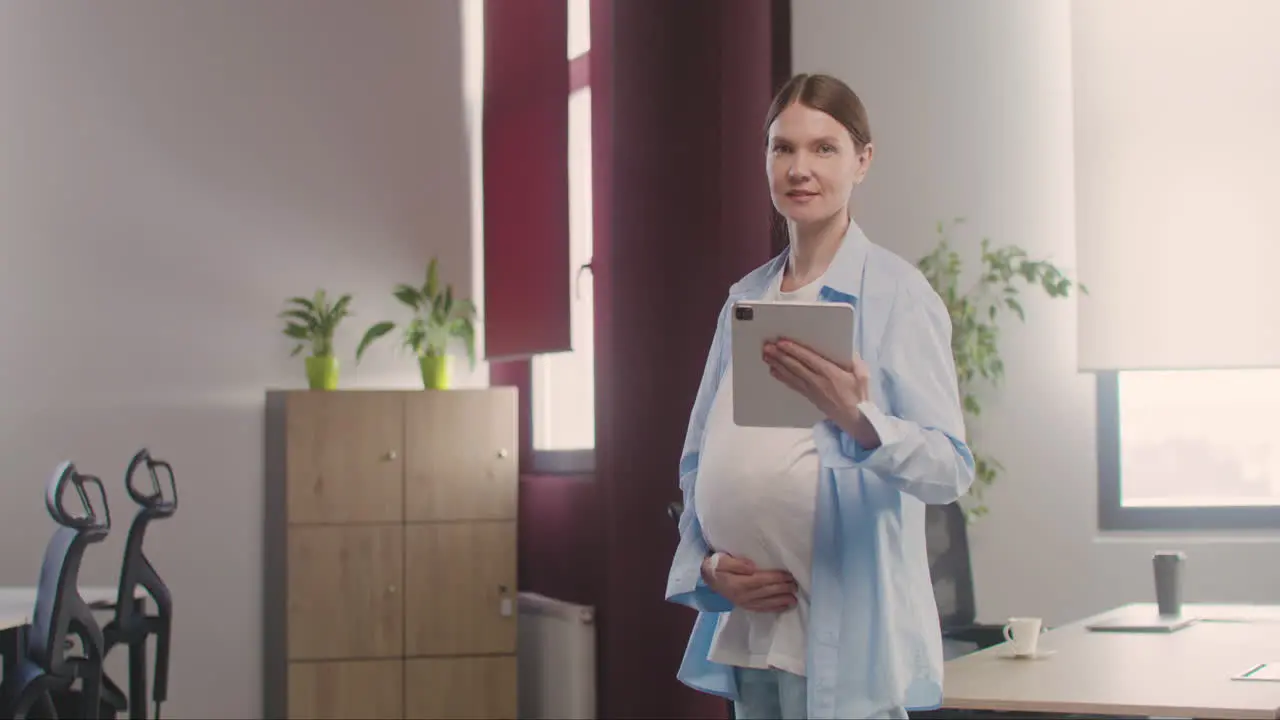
x=1039, y=654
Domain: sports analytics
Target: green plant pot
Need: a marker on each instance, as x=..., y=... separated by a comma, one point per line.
x=322, y=372
x=435, y=371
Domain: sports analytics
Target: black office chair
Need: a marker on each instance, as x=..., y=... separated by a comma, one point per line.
x=45, y=677
x=674, y=510
x=951, y=569
x=132, y=626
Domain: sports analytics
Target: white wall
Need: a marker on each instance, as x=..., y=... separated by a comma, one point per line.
x=970, y=107
x=169, y=173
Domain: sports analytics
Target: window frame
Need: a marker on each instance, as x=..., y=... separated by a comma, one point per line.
x=1113, y=516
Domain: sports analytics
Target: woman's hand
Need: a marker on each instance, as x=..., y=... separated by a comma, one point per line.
x=738, y=581
x=834, y=388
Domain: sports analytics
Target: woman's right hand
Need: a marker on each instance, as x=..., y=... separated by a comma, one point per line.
x=738, y=581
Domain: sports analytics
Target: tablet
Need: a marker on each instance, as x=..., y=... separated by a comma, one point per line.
x=760, y=400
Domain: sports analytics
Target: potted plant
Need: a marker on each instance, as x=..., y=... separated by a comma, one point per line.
x=438, y=319
x=314, y=321
x=975, y=331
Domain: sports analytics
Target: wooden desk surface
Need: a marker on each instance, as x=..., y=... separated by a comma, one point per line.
x=16, y=603
x=1181, y=674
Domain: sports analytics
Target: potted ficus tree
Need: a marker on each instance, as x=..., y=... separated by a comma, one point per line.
x=438, y=320
x=313, y=321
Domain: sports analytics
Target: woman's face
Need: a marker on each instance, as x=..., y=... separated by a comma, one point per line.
x=812, y=164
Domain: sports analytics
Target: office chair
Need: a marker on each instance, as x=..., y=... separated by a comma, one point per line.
x=46, y=674
x=951, y=569
x=132, y=626
x=674, y=510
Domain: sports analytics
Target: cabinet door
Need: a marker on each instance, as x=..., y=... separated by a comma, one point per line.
x=460, y=588
x=344, y=460
x=473, y=687
x=345, y=597
x=460, y=455
x=372, y=689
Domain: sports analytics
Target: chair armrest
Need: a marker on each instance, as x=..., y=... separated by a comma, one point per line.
x=984, y=636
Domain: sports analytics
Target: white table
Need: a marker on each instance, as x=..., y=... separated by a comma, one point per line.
x=1181, y=674
x=16, y=603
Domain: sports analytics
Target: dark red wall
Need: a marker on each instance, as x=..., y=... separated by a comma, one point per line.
x=680, y=90
x=558, y=528
x=691, y=83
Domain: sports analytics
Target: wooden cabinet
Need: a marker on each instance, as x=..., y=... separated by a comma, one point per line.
x=390, y=568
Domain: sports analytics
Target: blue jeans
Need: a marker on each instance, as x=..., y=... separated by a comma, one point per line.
x=771, y=695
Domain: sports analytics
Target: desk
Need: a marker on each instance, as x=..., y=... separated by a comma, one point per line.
x=16, y=603
x=1181, y=674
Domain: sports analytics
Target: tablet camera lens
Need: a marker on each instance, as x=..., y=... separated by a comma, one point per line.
x=745, y=313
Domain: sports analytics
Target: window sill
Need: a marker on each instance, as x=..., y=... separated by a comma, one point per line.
x=562, y=462
x=1115, y=518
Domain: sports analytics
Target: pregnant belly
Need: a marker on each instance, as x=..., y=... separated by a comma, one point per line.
x=756, y=488
x=769, y=522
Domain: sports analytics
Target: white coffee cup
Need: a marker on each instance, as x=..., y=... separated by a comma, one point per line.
x=1023, y=633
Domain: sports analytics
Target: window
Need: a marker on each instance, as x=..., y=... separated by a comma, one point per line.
x=563, y=384
x=1189, y=449
x=1178, y=268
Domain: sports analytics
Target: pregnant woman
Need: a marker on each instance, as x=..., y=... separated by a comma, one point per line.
x=804, y=550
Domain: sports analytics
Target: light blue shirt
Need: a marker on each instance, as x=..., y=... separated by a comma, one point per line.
x=874, y=645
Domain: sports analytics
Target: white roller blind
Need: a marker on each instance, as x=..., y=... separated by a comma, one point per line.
x=1177, y=149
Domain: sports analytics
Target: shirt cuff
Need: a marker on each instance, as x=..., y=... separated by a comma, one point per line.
x=888, y=431
x=885, y=428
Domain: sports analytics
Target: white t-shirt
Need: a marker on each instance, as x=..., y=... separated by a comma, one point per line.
x=756, y=495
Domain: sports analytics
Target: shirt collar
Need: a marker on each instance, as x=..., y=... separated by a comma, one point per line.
x=842, y=281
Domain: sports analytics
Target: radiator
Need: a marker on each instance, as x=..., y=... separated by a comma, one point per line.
x=557, y=659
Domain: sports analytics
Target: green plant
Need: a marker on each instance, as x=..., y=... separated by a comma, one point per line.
x=314, y=321
x=975, y=311
x=438, y=319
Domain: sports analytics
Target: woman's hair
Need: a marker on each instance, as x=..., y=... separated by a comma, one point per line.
x=825, y=94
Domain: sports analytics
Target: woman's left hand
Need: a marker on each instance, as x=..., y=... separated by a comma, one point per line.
x=835, y=388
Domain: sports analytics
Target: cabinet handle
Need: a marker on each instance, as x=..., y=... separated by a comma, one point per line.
x=390, y=455
x=391, y=588
x=505, y=606
x=502, y=454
